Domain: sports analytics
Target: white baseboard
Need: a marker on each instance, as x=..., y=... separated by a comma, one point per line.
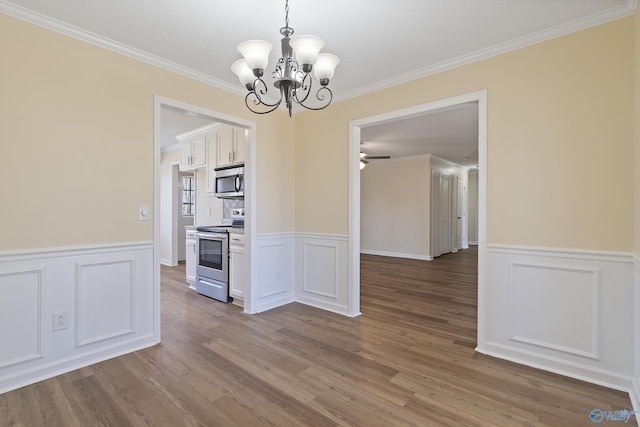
x=634, y=395
x=167, y=262
x=605, y=378
x=62, y=366
x=396, y=254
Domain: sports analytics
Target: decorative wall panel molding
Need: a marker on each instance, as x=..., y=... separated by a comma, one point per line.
x=104, y=295
x=541, y=295
x=321, y=272
x=276, y=271
x=562, y=310
x=107, y=292
x=20, y=313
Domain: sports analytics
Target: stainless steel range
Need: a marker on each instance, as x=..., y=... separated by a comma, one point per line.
x=212, y=267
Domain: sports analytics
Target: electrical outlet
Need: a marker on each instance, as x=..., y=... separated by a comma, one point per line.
x=60, y=320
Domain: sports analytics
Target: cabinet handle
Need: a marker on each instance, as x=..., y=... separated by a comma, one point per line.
x=229, y=156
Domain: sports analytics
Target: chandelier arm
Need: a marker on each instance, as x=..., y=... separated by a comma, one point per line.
x=255, y=98
x=260, y=90
x=256, y=102
x=305, y=87
x=320, y=96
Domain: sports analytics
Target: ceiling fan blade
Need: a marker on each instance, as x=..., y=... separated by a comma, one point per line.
x=378, y=157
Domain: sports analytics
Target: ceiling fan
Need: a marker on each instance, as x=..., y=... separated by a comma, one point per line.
x=364, y=159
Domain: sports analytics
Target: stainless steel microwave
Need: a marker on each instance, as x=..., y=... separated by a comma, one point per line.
x=229, y=182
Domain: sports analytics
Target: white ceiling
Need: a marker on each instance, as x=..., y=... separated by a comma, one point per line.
x=449, y=133
x=379, y=43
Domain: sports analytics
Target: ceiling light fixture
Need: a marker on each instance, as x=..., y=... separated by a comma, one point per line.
x=293, y=76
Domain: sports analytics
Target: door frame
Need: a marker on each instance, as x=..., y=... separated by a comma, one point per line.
x=355, y=127
x=249, y=199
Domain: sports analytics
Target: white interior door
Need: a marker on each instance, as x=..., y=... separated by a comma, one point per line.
x=435, y=214
x=445, y=215
x=183, y=220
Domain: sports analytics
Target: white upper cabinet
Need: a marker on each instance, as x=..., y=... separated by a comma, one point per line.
x=230, y=146
x=193, y=153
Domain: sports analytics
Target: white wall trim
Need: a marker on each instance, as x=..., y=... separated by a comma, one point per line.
x=27, y=254
x=595, y=283
x=587, y=254
x=589, y=304
x=634, y=395
x=81, y=311
x=603, y=377
x=275, y=265
x=36, y=349
x=322, y=274
x=167, y=262
x=397, y=254
x=61, y=366
x=56, y=278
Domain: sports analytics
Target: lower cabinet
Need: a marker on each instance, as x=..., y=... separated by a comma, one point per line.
x=236, y=267
x=191, y=256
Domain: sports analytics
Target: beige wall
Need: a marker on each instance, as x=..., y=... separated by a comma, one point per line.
x=77, y=141
x=394, y=207
x=560, y=142
x=77, y=126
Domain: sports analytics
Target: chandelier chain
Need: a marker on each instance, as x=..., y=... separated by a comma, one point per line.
x=286, y=13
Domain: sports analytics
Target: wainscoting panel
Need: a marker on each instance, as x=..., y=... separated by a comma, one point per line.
x=105, y=300
x=565, y=311
x=105, y=291
x=542, y=295
x=276, y=271
x=321, y=272
x=20, y=313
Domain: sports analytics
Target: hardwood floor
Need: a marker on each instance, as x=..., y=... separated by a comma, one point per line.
x=407, y=361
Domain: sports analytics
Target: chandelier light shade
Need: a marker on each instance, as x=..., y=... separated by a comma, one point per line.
x=300, y=56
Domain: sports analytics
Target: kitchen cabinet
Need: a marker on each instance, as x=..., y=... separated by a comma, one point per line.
x=230, y=146
x=193, y=153
x=236, y=267
x=191, y=256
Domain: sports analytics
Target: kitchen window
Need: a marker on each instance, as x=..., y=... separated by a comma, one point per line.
x=188, y=195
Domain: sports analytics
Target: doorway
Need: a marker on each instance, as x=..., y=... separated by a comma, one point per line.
x=354, y=191
x=159, y=210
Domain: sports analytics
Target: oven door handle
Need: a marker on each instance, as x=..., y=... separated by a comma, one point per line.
x=238, y=183
x=211, y=236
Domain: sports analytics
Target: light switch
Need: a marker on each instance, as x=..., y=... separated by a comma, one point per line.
x=144, y=213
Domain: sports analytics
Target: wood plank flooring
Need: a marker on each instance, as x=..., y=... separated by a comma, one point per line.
x=408, y=360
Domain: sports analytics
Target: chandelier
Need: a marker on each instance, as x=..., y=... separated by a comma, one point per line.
x=292, y=73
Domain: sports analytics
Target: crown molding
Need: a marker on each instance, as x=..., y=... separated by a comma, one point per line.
x=622, y=11
x=112, y=45
x=612, y=14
